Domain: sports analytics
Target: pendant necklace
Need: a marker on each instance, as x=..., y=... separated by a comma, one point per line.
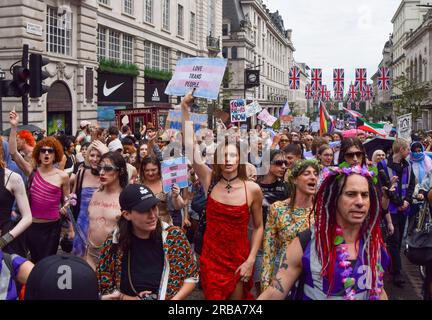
x=229, y=186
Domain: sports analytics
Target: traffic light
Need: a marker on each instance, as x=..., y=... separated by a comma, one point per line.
x=19, y=86
x=37, y=75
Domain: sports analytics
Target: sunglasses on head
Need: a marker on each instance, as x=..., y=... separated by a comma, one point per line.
x=45, y=150
x=106, y=168
x=358, y=154
x=280, y=163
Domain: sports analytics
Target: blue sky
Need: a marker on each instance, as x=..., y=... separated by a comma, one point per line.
x=332, y=34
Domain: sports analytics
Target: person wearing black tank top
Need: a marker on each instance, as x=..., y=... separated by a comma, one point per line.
x=11, y=189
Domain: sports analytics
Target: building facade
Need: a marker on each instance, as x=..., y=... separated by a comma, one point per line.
x=255, y=38
x=407, y=18
x=419, y=63
x=105, y=54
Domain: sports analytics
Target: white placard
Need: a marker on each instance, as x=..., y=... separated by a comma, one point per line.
x=34, y=29
x=266, y=117
x=404, y=127
x=252, y=109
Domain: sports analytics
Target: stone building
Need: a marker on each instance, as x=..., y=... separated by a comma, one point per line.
x=104, y=54
x=255, y=38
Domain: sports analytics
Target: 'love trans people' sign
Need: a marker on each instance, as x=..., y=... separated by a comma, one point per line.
x=202, y=74
x=174, y=171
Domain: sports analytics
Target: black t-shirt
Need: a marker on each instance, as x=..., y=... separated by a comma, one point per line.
x=277, y=191
x=147, y=262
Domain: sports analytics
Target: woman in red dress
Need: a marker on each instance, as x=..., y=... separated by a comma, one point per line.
x=227, y=257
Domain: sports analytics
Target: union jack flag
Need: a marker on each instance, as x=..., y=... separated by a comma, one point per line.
x=338, y=80
x=308, y=91
x=316, y=79
x=316, y=95
x=327, y=95
x=294, y=78
x=352, y=93
x=357, y=105
x=361, y=79
x=338, y=95
x=369, y=92
x=322, y=92
x=384, y=80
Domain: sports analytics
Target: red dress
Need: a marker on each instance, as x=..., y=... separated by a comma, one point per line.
x=225, y=248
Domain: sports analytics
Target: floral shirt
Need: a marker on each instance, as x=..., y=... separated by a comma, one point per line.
x=180, y=264
x=283, y=226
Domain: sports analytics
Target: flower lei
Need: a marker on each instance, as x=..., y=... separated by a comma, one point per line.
x=345, y=169
x=347, y=275
x=71, y=200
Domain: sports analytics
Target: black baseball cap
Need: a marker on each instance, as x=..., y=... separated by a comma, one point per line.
x=137, y=197
x=62, y=277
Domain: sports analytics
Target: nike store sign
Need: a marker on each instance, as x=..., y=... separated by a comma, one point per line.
x=115, y=88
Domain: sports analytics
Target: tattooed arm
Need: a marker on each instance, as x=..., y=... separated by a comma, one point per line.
x=288, y=273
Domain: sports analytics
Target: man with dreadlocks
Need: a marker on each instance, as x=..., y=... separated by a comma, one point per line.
x=343, y=256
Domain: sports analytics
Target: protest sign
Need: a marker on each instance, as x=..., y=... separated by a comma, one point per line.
x=252, y=109
x=404, y=127
x=238, y=110
x=267, y=118
x=315, y=126
x=300, y=121
x=174, y=171
x=202, y=74
x=174, y=120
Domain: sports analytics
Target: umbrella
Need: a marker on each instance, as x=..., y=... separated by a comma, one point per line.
x=29, y=127
x=378, y=143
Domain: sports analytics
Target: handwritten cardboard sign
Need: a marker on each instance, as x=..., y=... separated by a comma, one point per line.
x=202, y=74
x=174, y=171
x=238, y=110
x=174, y=120
x=267, y=118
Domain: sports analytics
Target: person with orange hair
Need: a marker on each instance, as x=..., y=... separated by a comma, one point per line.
x=46, y=185
x=25, y=144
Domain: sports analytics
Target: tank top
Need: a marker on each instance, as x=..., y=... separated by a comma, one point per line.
x=6, y=198
x=45, y=198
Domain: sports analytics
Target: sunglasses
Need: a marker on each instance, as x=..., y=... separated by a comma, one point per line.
x=106, y=168
x=280, y=163
x=45, y=150
x=358, y=154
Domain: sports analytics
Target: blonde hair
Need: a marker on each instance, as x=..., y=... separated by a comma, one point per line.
x=399, y=144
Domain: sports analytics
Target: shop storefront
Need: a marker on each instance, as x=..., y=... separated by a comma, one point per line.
x=115, y=92
x=59, y=109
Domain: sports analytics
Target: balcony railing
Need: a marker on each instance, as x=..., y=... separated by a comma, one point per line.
x=213, y=43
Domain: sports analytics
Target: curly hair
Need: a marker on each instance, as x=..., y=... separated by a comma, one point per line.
x=27, y=136
x=2, y=158
x=48, y=142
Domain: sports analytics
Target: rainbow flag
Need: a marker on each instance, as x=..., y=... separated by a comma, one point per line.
x=327, y=123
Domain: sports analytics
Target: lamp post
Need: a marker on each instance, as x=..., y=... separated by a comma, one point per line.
x=2, y=77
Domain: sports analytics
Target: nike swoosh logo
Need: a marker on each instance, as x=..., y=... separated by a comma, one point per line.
x=108, y=91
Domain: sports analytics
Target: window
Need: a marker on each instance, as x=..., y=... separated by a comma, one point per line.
x=148, y=14
x=192, y=26
x=225, y=29
x=180, y=20
x=104, y=2
x=165, y=14
x=59, y=32
x=127, y=49
x=147, y=54
x=234, y=53
x=114, y=45
x=157, y=56
x=101, y=43
x=225, y=52
x=128, y=7
x=165, y=59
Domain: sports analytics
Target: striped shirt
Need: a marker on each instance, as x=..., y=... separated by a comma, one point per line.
x=8, y=290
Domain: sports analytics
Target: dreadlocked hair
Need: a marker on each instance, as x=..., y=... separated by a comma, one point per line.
x=325, y=228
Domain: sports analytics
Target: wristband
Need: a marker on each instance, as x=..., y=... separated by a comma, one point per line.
x=5, y=240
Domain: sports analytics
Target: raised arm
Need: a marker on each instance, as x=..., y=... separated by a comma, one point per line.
x=25, y=166
x=202, y=170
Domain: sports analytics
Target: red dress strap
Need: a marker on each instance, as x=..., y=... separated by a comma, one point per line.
x=247, y=202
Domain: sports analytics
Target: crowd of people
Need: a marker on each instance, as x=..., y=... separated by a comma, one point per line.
x=318, y=220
